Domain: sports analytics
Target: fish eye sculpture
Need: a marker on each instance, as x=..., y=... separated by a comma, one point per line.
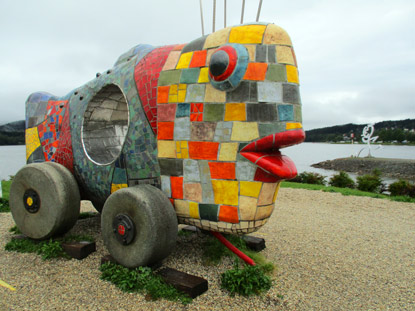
x=180, y=134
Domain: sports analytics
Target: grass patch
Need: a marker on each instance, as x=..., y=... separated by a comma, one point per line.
x=46, y=249
x=346, y=191
x=15, y=230
x=4, y=206
x=214, y=251
x=85, y=215
x=251, y=280
x=141, y=280
x=5, y=186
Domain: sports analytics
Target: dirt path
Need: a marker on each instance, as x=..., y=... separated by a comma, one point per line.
x=333, y=253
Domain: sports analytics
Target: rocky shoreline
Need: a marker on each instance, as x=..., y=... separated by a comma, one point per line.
x=392, y=168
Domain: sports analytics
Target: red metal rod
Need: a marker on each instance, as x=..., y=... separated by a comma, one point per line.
x=233, y=249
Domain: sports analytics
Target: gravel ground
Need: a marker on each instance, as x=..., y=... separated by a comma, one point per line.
x=332, y=252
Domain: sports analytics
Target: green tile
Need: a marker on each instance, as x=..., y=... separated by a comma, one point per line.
x=276, y=73
x=213, y=112
x=190, y=75
x=169, y=77
x=297, y=113
x=208, y=212
x=266, y=129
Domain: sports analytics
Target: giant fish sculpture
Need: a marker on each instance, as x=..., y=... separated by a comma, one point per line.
x=179, y=134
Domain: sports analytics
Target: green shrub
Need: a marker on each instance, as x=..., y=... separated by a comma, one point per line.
x=371, y=182
x=46, y=249
x=51, y=249
x=141, y=280
x=402, y=188
x=310, y=178
x=4, y=205
x=342, y=180
x=22, y=246
x=248, y=281
x=15, y=230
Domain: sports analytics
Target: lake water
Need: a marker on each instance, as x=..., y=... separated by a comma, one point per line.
x=12, y=158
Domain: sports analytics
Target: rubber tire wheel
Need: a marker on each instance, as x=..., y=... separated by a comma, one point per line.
x=59, y=200
x=155, y=224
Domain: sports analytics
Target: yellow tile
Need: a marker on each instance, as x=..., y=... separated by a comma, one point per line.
x=276, y=35
x=173, y=89
x=184, y=60
x=293, y=125
x=244, y=131
x=204, y=75
x=285, y=55
x=225, y=192
x=247, y=34
x=235, y=112
x=182, y=208
x=267, y=193
x=213, y=95
x=166, y=149
x=264, y=211
x=228, y=151
x=247, y=208
x=250, y=188
x=182, y=86
x=194, y=210
x=182, y=150
x=181, y=97
x=32, y=141
x=115, y=187
x=292, y=74
x=276, y=192
x=172, y=98
x=217, y=38
x=251, y=51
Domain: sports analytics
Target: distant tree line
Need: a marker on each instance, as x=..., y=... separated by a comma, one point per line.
x=12, y=138
x=388, y=131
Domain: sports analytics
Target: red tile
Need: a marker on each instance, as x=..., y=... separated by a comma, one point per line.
x=228, y=214
x=222, y=170
x=256, y=71
x=198, y=59
x=163, y=94
x=176, y=187
x=203, y=150
x=165, y=130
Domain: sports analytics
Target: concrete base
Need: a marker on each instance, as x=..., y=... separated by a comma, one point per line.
x=187, y=283
x=79, y=250
x=254, y=243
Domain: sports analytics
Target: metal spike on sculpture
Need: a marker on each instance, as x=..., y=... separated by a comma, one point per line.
x=179, y=134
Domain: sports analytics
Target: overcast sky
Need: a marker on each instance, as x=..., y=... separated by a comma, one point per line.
x=356, y=58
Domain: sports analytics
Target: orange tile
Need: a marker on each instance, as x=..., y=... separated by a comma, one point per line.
x=163, y=94
x=176, y=187
x=228, y=214
x=165, y=130
x=203, y=150
x=198, y=59
x=256, y=71
x=222, y=170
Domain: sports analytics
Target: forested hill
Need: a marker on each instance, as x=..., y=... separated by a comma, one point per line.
x=388, y=131
x=12, y=133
